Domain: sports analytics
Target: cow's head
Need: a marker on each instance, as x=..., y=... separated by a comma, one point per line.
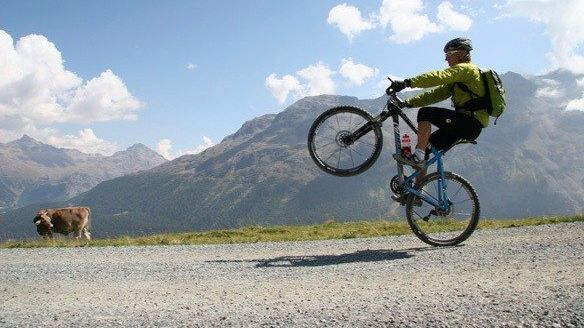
x=43, y=222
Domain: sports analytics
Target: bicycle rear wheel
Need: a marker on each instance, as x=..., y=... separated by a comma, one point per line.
x=440, y=227
x=332, y=145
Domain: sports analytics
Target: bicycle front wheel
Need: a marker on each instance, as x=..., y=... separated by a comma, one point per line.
x=332, y=144
x=439, y=227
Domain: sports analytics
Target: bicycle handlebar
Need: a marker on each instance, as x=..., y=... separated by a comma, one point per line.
x=394, y=99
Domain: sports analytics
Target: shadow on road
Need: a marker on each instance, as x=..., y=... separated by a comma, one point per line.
x=370, y=255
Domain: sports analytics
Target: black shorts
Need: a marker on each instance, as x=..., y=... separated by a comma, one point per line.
x=452, y=126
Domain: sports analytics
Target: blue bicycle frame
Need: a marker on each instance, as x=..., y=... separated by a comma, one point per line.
x=407, y=182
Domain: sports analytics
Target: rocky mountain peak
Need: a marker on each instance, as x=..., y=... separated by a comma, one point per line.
x=26, y=141
x=139, y=148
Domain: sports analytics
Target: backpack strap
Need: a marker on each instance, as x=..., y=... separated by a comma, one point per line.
x=465, y=88
x=474, y=104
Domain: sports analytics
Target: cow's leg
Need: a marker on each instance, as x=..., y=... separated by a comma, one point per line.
x=86, y=234
x=77, y=235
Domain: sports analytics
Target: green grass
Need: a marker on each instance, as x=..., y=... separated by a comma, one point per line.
x=254, y=234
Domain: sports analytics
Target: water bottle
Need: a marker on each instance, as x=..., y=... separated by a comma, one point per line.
x=406, y=145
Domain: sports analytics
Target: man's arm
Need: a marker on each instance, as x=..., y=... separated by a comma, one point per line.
x=433, y=96
x=450, y=75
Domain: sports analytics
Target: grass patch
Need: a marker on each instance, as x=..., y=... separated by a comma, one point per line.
x=253, y=234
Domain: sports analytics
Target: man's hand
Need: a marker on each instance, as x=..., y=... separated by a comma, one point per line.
x=397, y=86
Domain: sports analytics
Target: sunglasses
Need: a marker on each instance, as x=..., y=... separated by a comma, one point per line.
x=450, y=53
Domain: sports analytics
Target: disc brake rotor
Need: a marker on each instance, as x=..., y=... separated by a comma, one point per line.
x=344, y=138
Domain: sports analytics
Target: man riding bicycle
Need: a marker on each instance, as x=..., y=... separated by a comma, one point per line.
x=462, y=82
x=346, y=140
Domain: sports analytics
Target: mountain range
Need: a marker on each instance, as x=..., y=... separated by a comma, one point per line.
x=529, y=164
x=33, y=172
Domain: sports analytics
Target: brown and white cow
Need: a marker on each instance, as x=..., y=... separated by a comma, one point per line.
x=64, y=221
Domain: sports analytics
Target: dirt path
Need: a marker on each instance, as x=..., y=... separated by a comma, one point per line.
x=523, y=276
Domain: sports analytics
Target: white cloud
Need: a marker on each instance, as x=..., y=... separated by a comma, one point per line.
x=280, y=88
x=549, y=92
x=104, y=98
x=164, y=148
x=37, y=91
x=549, y=89
x=86, y=141
x=356, y=73
x=207, y=143
x=577, y=104
x=406, y=20
x=319, y=79
x=192, y=67
x=451, y=19
x=564, y=25
x=348, y=19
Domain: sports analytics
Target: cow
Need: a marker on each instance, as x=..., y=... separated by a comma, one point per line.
x=64, y=221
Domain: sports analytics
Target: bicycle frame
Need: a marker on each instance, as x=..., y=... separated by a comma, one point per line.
x=393, y=110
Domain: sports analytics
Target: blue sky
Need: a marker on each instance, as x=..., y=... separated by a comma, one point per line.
x=179, y=76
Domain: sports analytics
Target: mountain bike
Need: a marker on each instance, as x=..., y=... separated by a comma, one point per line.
x=442, y=208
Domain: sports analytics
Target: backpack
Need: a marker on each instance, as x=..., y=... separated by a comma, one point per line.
x=494, y=98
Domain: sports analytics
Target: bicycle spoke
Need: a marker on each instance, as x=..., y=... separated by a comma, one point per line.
x=331, y=155
x=330, y=143
x=351, y=154
x=462, y=201
x=363, y=142
x=332, y=128
x=420, y=216
x=357, y=125
x=456, y=193
x=355, y=150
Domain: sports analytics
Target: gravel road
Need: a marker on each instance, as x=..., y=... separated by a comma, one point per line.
x=513, y=277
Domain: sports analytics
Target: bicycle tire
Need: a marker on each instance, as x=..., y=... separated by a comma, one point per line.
x=329, y=129
x=440, y=230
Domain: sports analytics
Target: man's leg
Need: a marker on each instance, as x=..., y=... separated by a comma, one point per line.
x=426, y=117
x=424, y=130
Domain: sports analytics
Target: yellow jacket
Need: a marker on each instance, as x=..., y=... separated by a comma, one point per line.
x=444, y=81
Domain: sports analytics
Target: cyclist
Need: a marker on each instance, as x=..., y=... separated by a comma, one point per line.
x=460, y=123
